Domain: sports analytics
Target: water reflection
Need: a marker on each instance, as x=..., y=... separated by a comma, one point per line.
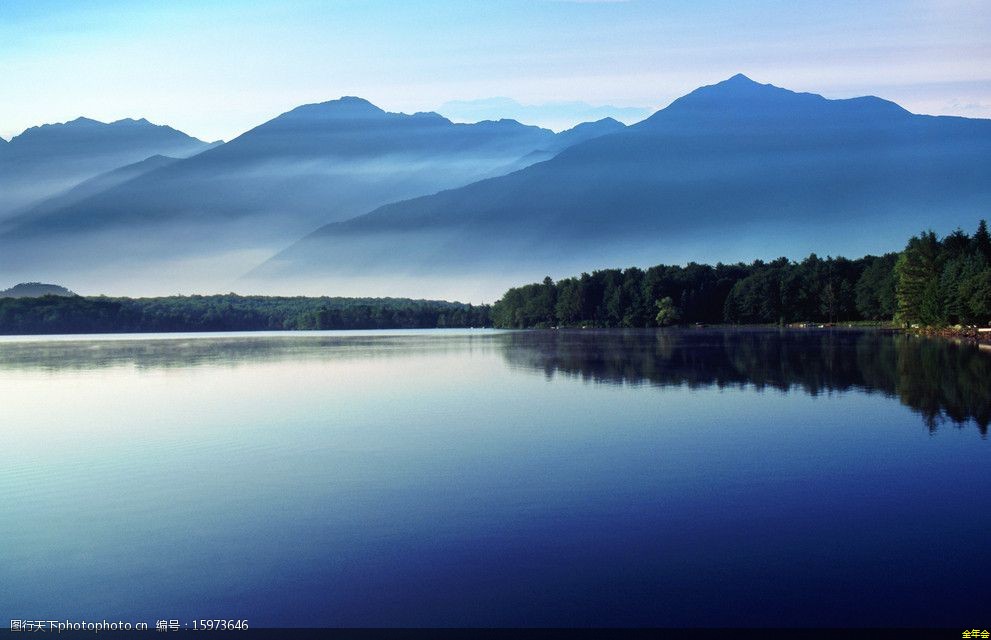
x=438, y=479
x=942, y=381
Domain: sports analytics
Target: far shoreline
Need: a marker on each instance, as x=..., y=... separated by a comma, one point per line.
x=970, y=335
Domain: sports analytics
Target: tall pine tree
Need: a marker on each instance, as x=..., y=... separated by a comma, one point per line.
x=917, y=276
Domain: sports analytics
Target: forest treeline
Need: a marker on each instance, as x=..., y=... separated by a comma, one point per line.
x=932, y=282
x=56, y=314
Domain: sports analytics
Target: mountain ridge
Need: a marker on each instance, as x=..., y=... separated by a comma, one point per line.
x=48, y=159
x=730, y=170
x=274, y=183
x=82, y=123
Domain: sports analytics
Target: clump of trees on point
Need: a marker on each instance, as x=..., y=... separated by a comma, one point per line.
x=932, y=282
x=948, y=281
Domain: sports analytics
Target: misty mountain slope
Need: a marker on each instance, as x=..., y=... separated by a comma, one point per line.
x=46, y=160
x=87, y=189
x=588, y=130
x=568, y=138
x=728, y=172
x=315, y=163
x=236, y=204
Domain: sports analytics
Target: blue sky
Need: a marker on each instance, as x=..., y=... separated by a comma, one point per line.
x=214, y=68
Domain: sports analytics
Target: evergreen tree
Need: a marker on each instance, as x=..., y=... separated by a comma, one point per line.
x=875, y=288
x=954, y=309
x=917, y=272
x=982, y=240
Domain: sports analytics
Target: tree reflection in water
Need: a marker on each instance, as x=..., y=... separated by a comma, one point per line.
x=942, y=381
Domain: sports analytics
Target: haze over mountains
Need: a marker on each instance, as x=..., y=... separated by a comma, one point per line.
x=85, y=189
x=414, y=205
x=227, y=209
x=45, y=160
x=729, y=172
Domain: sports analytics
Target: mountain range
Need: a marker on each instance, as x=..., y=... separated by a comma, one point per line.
x=224, y=210
x=729, y=172
x=345, y=198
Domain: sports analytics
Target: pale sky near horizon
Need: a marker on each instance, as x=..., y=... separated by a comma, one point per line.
x=215, y=68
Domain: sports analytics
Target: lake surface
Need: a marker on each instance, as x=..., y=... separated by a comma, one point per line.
x=477, y=478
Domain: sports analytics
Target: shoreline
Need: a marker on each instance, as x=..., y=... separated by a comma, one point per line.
x=976, y=335
x=969, y=334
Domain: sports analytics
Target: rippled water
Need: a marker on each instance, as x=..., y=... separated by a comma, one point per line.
x=672, y=478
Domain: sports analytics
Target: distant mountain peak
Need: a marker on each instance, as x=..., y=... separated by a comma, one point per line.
x=738, y=79
x=740, y=85
x=607, y=122
x=588, y=130
x=80, y=121
x=354, y=101
x=742, y=88
x=345, y=107
x=741, y=101
x=133, y=121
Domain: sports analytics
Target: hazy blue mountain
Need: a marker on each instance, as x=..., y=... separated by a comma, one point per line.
x=49, y=159
x=230, y=207
x=729, y=172
x=89, y=188
x=568, y=138
x=587, y=131
x=316, y=163
x=35, y=290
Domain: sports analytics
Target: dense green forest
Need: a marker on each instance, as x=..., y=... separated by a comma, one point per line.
x=931, y=282
x=52, y=314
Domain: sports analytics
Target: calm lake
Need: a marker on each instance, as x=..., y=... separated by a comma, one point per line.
x=478, y=478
